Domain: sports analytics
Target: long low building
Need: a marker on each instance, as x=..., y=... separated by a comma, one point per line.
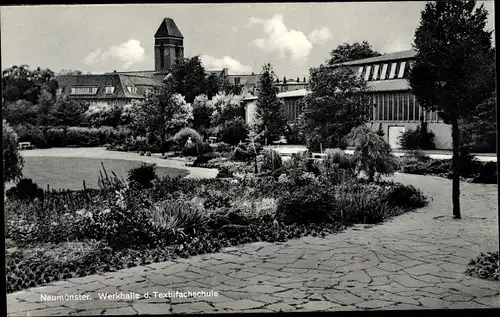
x=395, y=108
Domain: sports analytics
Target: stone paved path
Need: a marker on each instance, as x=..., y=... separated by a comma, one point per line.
x=415, y=261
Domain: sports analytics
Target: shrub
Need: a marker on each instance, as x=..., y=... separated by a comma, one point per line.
x=178, y=215
x=245, y=152
x=405, y=196
x=420, y=138
x=233, y=131
x=55, y=137
x=487, y=173
x=293, y=134
x=204, y=158
x=12, y=160
x=271, y=161
x=143, y=175
x=181, y=137
x=25, y=189
x=372, y=155
x=32, y=134
x=82, y=136
x=308, y=204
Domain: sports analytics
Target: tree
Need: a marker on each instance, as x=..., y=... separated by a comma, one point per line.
x=20, y=82
x=202, y=114
x=103, y=114
x=44, y=108
x=351, y=52
x=19, y=112
x=163, y=112
x=452, y=71
x=372, y=155
x=479, y=129
x=214, y=85
x=226, y=107
x=68, y=112
x=269, y=108
x=12, y=160
x=190, y=78
x=337, y=103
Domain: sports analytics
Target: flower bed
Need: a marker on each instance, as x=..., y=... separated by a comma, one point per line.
x=76, y=233
x=485, y=266
x=473, y=171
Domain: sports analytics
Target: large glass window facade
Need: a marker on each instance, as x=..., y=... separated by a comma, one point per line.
x=393, y=70
x=368, y=72
x=383, y=75
x=376, y=70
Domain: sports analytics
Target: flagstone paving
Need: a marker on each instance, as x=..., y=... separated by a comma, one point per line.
x=414, y=261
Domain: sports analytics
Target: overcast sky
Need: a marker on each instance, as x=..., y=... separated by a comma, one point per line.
x=242, y=37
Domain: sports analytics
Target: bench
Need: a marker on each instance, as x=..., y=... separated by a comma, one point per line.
x=25, y=146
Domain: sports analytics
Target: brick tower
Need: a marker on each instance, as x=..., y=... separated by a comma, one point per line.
x=169, y=45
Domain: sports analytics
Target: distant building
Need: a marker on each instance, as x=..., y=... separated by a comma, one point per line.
x=113, y=88
x=394, y=109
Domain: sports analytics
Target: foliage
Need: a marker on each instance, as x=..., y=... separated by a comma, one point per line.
x=12, y=160
x=227, y=107
x=19, y=112
x=271, y=161
x=32, y=134
x=190, y=78
x=143, y=175
x=269, y=110
x=485, y=266
x=335, y=106
x=337, y=166
x=380, y=131
x=372, y=155
x=25, y=189
x=308, y=204
x=420, y=138
x=103, y=114
x=23, y=83
x=68, y=112
x=293, y=133
x=479, y=129
x=163, y=112
x=351, y=52
x=202, y=113
x=233, y=131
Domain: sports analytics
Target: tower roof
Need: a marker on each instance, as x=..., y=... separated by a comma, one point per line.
x=168, y=28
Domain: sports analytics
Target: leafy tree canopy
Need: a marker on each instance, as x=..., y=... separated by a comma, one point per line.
x=21, y=82
x=350, y=52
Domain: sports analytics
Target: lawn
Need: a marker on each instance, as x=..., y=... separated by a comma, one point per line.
x=69, y=173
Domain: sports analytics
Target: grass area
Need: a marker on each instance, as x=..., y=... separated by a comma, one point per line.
x=69, y=173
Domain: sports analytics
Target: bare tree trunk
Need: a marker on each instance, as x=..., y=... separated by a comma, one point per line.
x=455, y=135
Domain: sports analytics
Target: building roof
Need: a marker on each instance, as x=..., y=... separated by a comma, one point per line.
x=286, y=94
x=386, y=57
x=168, y=28
x=119, y=81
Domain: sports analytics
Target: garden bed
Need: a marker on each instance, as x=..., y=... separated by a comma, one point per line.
x=485, y=266
x=473, y=171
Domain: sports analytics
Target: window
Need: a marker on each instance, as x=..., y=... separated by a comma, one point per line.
x=367, y=74
x=393, y=70
x=83, y=90
x=390, y=98
x=360, y=72
x=402, y=70
x=405, y=106
x=237, y=80
x=411, y=109
x=59, y=91
x=133, y=90
x=375, y=72
x=110, y=90
x=380, y=104
x=384, y=72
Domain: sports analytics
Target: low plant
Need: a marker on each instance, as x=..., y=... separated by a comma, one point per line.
x=271, y=161
x=419, y=138
x=25, y=189
x=142, y=176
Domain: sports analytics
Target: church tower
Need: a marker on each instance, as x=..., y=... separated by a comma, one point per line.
x=169, y=45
